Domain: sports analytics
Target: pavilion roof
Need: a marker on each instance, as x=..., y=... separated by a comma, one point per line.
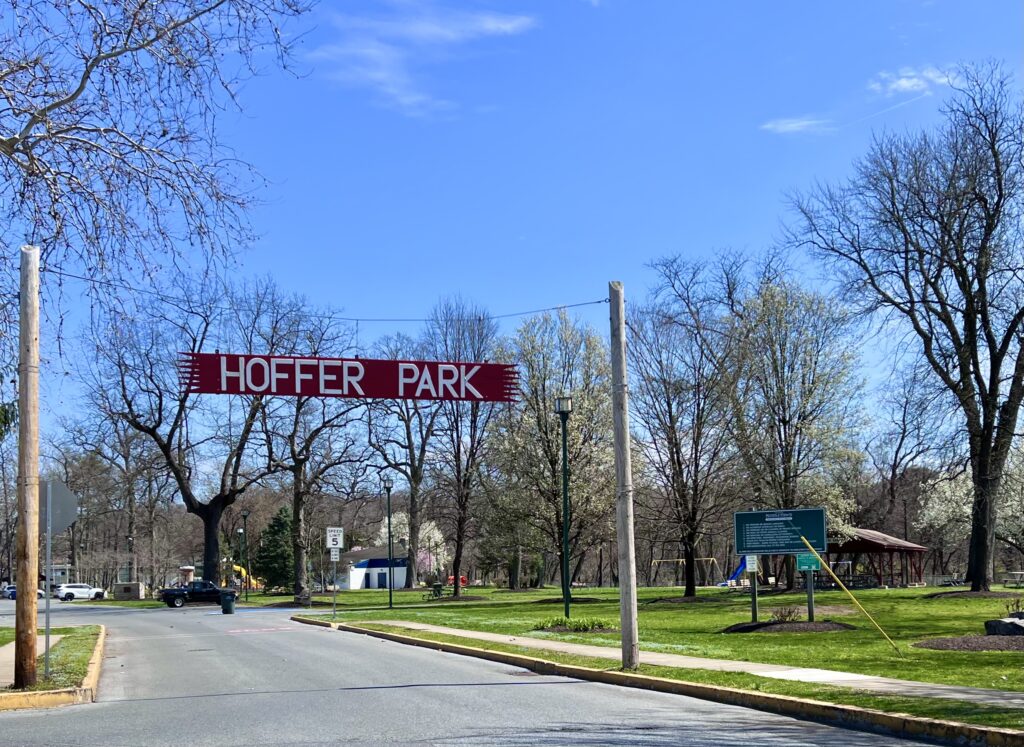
x=869, y=540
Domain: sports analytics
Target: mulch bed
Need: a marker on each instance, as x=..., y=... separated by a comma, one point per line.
x=975, y=643
x=680, y=600
x=575, y=600
x=974, y=595
x=825, y=626
x=463, y=598
x=564, y=629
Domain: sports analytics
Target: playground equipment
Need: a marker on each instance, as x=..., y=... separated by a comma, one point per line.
x=707, y=569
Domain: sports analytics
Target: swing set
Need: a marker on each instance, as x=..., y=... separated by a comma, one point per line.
x=707, y=569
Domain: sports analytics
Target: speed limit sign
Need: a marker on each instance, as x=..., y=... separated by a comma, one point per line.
x=335, y=538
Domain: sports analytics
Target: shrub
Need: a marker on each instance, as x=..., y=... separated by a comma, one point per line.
x=575, y=624
x=785, y=614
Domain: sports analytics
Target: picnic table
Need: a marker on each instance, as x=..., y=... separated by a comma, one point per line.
x=1016, y=578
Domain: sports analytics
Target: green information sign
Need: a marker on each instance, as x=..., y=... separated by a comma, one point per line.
x=805, y=561
x=779, y=532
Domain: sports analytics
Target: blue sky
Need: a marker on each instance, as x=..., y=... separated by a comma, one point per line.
x=522, y=154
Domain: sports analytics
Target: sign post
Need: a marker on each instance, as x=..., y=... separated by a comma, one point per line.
x=335, y=542
x=751, y=563
x=780, y=533
x=60, y=510
x=335, y=552
x=808, y=563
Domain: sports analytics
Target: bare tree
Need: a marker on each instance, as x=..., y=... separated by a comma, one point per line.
x=910, y=445
x=110, y=154
x=461, y=331
x=928, y=233
x=309, y=438
x=129, y=458
x=135, y=379
x=400, y=432
x=682, y=406
x=557, y=356
x=795, y=397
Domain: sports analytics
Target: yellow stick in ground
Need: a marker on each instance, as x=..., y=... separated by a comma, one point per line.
x=852, y=597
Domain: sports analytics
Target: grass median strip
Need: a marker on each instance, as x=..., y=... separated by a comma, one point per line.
x=69, y=659
x=669, y=624
x=935, y=708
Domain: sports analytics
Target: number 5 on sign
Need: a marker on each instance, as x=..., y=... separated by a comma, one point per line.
x=335, y=538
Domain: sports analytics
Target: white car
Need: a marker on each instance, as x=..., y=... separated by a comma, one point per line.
x=9, y=592
x=67, y=592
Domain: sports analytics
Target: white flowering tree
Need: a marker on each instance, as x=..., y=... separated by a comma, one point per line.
x=432, y=553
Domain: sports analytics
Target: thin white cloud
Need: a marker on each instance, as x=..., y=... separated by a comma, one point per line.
x=386, y=53
x=795, y=125
x=909, y=80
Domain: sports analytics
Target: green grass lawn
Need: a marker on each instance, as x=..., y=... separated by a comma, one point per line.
x=694, y=629
x=938, y=708
x=143, y=603
x=69, y=657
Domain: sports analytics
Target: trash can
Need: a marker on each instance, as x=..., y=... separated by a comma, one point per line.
x=438, y=590
x=227, y=602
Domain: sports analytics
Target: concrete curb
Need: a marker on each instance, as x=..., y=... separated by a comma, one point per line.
x=86, y=693
x=851, y=717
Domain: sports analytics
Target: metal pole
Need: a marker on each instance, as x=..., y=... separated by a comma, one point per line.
x=753, y=593
x=391, y=562
x=566, y=593
x=809, y=576
x=623, y=479
x=334, y=583
x=245, y=541
x=26, y=615
x=49, y=574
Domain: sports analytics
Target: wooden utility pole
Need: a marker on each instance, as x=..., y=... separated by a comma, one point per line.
x=623, y=479
x=27, y=552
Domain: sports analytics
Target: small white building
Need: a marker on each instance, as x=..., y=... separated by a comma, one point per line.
x=368, y=568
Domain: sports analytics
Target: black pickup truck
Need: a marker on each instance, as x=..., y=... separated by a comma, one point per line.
x=195, y=591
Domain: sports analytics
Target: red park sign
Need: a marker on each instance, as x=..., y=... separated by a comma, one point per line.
x=354, y=378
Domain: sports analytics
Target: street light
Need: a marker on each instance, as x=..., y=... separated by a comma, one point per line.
x=563, y=406
x=245, y=545
x=241, y=540
x=387, y=483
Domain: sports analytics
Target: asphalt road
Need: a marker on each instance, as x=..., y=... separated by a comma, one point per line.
x=194, y=677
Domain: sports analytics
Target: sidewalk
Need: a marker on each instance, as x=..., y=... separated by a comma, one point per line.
x=7, y=658
x=883, y=685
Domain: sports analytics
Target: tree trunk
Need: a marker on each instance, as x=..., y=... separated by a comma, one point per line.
x=299, y=535
x=514, y=568
x=690, y=569
x=982, y=542
x=412, y=575
x=457, y=568
x=152, y=553
x=210, y=514
x=575, y=575
x=133, y=555
x=789, y=565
